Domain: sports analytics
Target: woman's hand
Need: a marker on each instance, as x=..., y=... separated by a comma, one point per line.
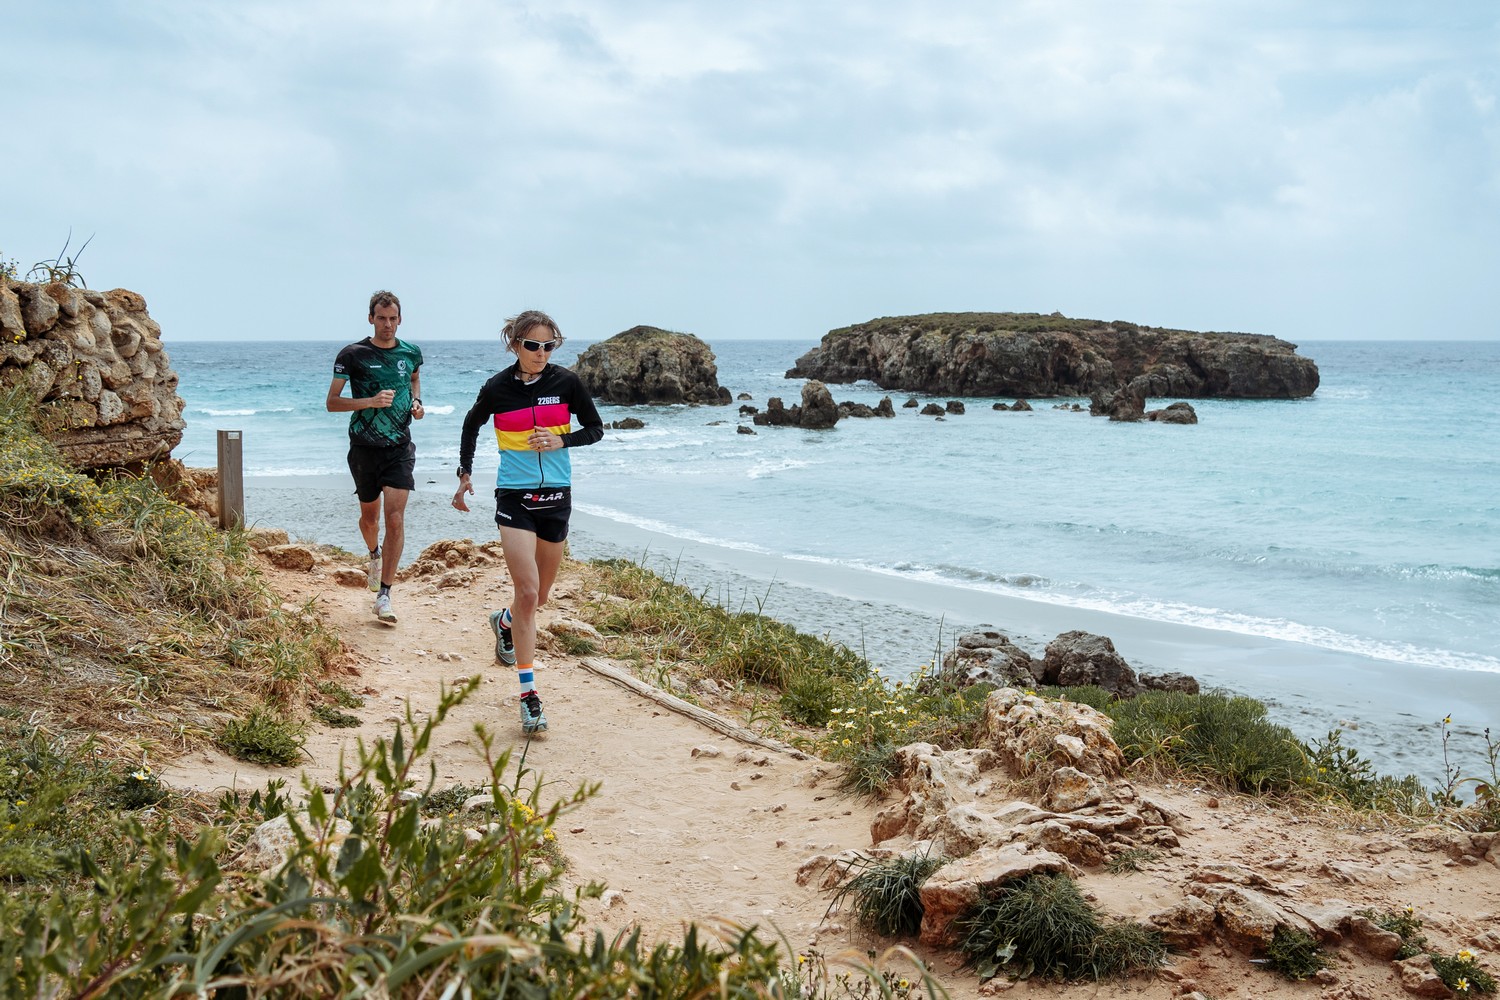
x=542, y=439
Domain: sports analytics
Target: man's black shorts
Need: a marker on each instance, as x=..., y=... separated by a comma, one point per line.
x=542, y=512
x=376, y=468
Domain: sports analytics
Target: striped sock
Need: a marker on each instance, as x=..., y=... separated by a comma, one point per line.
x=527, y=673
x=505, y=618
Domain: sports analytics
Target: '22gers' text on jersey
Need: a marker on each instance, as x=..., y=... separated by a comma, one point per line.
x=552, y=402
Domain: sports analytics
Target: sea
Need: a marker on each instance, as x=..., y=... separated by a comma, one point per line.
x=1356, y=526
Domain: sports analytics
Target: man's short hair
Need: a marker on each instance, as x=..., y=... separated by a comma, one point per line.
x=384, y=298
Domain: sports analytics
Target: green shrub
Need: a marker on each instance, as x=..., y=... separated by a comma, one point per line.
x=1092, y=695
x=886, y=894
x=1213, y=735
x=158, y=618
x=1340, y=771
x=138, y=789
x=1295, y=954
x=263, y=737
x=334, y=717
x=399, y=907
x=1041, y=925
x=868, y=768
x=1462, y=974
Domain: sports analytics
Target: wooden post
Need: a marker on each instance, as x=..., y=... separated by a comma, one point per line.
x=231, y=480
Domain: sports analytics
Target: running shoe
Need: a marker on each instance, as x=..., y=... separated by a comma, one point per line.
x=383, y=609
x=505, y=650
x=532, y=719
x=375, y=572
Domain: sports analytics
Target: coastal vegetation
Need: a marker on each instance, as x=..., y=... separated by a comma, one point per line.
x=132, y=632
x=828, y=699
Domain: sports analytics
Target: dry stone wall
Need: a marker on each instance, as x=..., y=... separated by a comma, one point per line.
x=94, y=365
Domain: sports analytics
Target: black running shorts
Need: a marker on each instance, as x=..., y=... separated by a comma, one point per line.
x=542, y=512
x=376, y=468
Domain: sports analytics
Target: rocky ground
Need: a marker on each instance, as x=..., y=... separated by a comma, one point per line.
x=691, y=823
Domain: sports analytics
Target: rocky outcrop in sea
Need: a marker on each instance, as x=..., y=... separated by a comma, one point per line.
x=649, y=365
x=1032, y=355
x=93, y=363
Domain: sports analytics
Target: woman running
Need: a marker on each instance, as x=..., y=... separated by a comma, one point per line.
x=533, y=404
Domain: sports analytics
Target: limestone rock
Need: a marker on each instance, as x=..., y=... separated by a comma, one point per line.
x=83, y=356
x=958, y=885
x=1420, y=979
x=1021, y=729
x=989, y=656
x=1185, y=924
x=1079, y=658
x=1374, y=940
x=922, y=786
x=1123, y=404
x=954, y=406
x=294, y=557
x=817, y=412
x=1169, y=681
x=1069, y=789
x=1028, y=354
x=648, y=365
x=1248, y=918
x=273, y=842
x=1175, y=413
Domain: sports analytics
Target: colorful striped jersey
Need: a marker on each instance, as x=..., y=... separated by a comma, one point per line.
x=517, y=408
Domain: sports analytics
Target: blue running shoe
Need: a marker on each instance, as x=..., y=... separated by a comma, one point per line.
x=505, y=650
x=532, y=719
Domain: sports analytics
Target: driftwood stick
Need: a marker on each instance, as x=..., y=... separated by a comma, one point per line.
x=717, y=723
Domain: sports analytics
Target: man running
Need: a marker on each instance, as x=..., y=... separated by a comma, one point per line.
x=385, y=391
x=533, y=404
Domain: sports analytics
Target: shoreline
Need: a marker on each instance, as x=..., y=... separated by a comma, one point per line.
x=1393, y=710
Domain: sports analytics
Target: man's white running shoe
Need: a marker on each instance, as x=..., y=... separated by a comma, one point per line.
x=383, y=609
x=375, y=561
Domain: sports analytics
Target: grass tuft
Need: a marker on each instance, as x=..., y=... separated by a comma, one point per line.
x=263, y=737
x=886, y=894
x=1295, y=954
x=1041, y=925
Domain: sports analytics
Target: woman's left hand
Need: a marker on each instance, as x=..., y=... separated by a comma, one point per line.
x=542, y=440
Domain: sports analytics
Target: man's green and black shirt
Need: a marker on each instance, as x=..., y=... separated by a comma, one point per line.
x=370, y=369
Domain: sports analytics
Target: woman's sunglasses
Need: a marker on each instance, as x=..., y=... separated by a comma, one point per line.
x=539, y=345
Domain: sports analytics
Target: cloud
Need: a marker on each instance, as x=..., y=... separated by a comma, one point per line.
x=1164, y=156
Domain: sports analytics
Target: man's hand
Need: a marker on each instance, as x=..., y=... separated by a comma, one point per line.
x=382, y=399
x=464, y=486
x=417, y=409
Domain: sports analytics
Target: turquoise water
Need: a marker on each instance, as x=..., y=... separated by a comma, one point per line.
x=1361, y=520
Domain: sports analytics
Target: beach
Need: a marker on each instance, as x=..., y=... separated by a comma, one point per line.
x=1393, y=710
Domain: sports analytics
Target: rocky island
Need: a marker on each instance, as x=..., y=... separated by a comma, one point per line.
x=1035, y=355
x=649, y=365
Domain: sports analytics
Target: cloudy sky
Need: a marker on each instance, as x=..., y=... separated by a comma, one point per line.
x=765, y=169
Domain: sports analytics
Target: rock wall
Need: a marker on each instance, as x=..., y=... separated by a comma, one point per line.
x=1028, y=354
x=93, y=363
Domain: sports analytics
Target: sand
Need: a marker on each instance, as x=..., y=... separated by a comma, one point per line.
x=690, y=825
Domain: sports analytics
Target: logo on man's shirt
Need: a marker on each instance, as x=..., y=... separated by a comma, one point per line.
x=546, y=400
